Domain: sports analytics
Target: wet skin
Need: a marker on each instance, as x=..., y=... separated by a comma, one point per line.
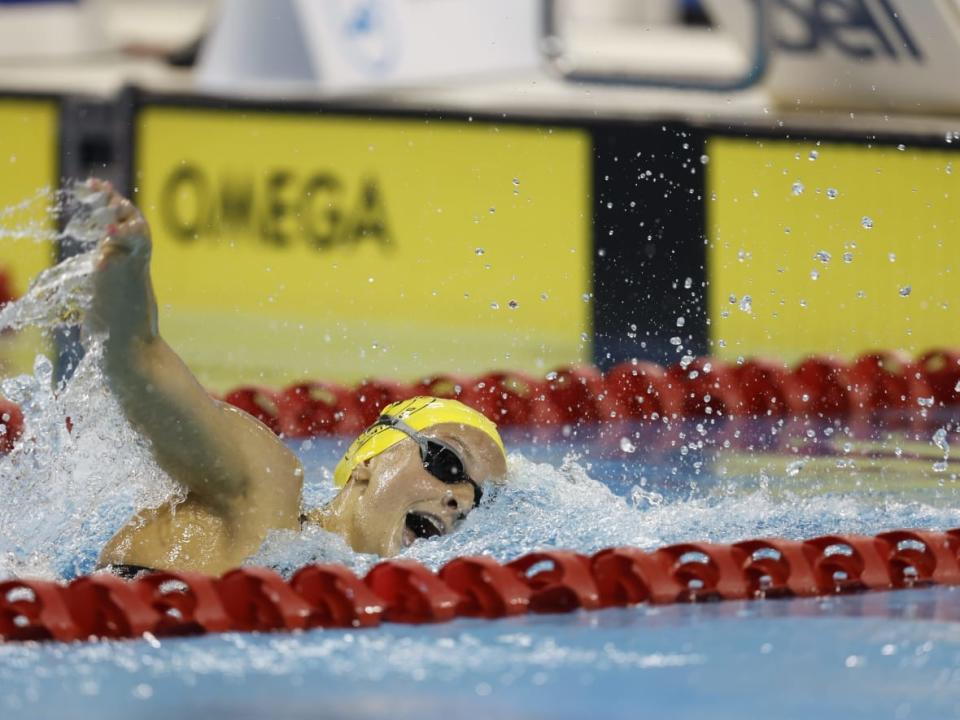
x=238, y=480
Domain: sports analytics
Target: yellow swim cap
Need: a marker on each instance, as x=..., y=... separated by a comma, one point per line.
x=419, y=413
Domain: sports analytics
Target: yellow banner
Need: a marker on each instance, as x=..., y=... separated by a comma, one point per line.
x=29, y=146
x=293, y=246
x=831, y=248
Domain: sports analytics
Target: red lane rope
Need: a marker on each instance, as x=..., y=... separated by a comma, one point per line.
x=636, y=390
x=404, y=591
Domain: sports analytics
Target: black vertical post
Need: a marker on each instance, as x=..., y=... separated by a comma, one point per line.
x=648, y=242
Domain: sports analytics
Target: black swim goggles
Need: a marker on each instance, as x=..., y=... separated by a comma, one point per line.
x=439, y=459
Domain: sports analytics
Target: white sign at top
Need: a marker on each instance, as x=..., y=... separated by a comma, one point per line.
x=878, y=54
x=356, y=44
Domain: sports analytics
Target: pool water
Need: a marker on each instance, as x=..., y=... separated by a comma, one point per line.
x=875, y=655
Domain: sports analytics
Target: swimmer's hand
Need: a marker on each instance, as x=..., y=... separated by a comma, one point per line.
x=123, y=305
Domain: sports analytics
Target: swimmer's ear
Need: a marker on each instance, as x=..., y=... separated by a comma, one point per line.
x=361, y=475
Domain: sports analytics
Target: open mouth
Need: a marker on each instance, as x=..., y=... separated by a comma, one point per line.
x=423, y=525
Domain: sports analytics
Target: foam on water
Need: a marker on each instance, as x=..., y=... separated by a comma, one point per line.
x=542, y=506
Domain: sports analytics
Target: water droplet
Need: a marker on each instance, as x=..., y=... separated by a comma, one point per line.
x=544, y=296
x=905, y=290
x=940, y=466
x=755, y=193
x=733, y=299
x=746, y=304
x=940, y=440
x=797, y=188
x=681, y=321
x=675, y=341
x=627, y=446
x=814, y=274
x=892, y=257
x=832, y=193
x=479, y=251
x=956, y=388
x=494, y=306
x=586, y=297
x=901, y=147
x=925, y=402
x=823, y=256
x=794, y=468
x=848, y=257
x=687, y=283
x=867, y=222
x=704, y=159
x=492, y=210
x=813, y=155
x=513, y=304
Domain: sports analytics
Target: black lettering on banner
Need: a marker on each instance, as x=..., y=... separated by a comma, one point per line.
x=276, y=208
x=186, y=181
x=901, y=27
x=236, y=203
x=804, y=26
x=369, y=218
x=320, y=210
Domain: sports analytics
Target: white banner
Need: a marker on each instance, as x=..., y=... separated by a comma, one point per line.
x=878, y=54
x=355, y=44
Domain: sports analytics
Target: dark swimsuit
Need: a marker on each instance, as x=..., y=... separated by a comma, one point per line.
x=128, y=572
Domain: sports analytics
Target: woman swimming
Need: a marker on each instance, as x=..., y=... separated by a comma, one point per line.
x=415, y=473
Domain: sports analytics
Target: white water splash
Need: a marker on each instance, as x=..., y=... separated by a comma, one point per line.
x=547, y=507
x=63, y=492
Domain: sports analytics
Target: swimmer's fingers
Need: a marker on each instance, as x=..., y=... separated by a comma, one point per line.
x=127, y=237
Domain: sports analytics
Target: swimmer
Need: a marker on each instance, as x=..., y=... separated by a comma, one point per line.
x=415, y=473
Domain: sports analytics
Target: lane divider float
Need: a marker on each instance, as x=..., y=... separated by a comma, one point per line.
x=251, y=599
x=636, y=390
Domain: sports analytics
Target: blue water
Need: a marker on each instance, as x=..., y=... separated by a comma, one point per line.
x=878, y=655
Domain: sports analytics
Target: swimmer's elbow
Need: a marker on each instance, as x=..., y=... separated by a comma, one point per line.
x=213, y=479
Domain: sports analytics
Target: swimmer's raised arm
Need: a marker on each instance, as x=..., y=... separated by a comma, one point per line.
x=223, y=457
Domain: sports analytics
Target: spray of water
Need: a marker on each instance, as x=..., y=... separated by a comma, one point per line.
x=80, y=469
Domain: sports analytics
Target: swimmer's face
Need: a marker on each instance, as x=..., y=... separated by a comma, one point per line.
x=395, y=500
